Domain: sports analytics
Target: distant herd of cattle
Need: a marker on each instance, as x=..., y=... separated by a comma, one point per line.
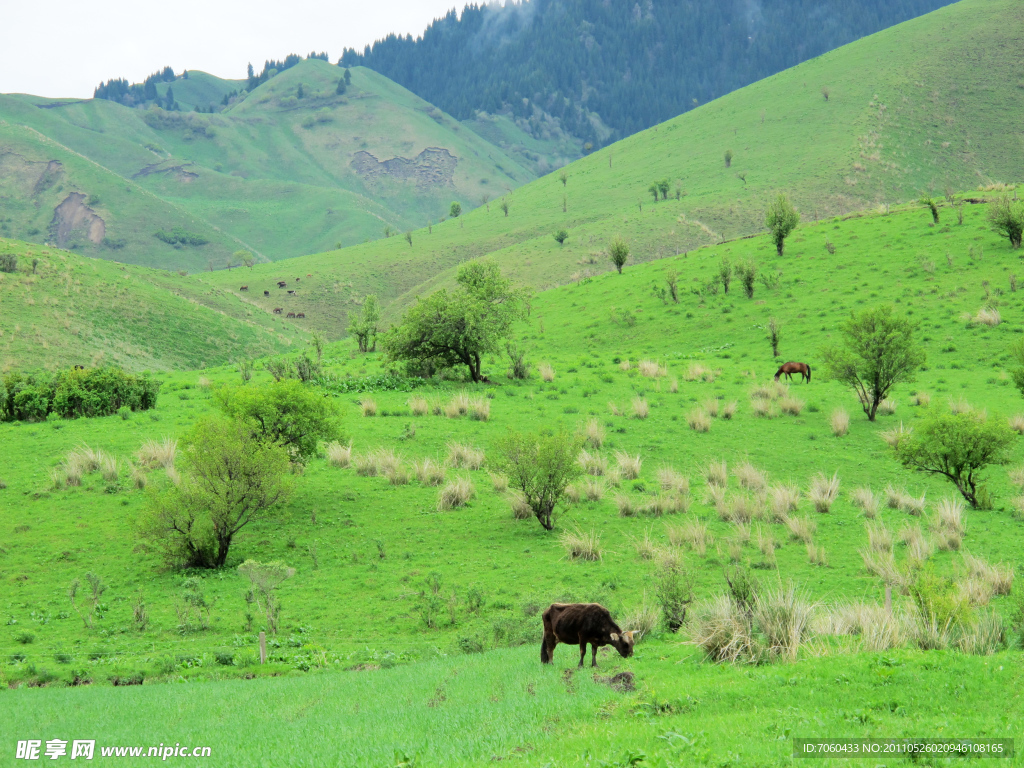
x=280, y=310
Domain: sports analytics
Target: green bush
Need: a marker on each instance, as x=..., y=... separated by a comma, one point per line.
x=8, y=262
x=75, y=393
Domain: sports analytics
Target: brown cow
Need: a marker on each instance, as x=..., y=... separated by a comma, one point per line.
x=301, y=315
x=244, y=288
x=278, y=310
x=582, y=624
x=308, y=275
x=281, y=283
x=266, y=293
x=296, y=279
x=290, y=314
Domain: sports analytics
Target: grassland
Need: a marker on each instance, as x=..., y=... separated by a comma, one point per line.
x=272, y=173
x=885, y=135
x=375, y=560
x=68, y=309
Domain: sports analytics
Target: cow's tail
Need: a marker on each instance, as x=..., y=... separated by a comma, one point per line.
x=545, y=652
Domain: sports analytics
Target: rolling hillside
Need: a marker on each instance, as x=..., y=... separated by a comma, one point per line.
x=884, y=135
x=273, y=174
x=63, y=309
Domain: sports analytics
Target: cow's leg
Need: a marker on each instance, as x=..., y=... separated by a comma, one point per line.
x=593, y=654
x=583, y=652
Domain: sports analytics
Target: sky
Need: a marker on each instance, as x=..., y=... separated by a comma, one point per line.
x=61, y=48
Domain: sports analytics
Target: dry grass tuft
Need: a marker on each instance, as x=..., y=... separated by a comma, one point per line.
x=480, y=409
x=698, y=420
x=339, y=455
x=823, y=492
x=645, y=547
x=699, y=372
x=922, y=399
x=418, y=406
x=750, y=477
x=368, y=406
x=625, y=365
x=465, y=456
x=573, y=494
x=1016, y=476
x=716, y=473
x=547, y=373
x=960, y=405
x=782, y=499
x=639, y=409
x=674, y=386
x=893, y=437
x=883, y=565
x=110, y=468
x=987, y=316
x=791, y=405
x=839, y=422
x=712, y=407
x=817, y=555
x=693, y=534
x=651, y=369
x=593, y=489
x=729, y=409
x=1017, y=423
x=592, y=463
x=864, y=499
x=626, y=506
x=138, y=476
x=594, y=434
x=999, y=576
x=879, y=537
x=429, y=472
x=499, y=482
x=741, y=508
x=801, y=528
x=456, y=493
x=629, y=466
x=949, y=515
x=580, y=545
x=155, y=453
x=887, y=407
x=670, y=480
x=763, y=408
x=520, y=509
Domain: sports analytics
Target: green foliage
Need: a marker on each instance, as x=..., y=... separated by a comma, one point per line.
x=674, y=590
x=878, y=351
x=229, y=479
x=561, y=236
x=540, y=467
x=746, y=271
x=728, y=158
x=179, y=236
x=283, y=414
x=618, y=252
x=957, y=446
x=448, y=329
x=933, y=206
x=364, y=327
x=455, y=210
x=781, y=219
x=265, y=578
x=8, y=262
x=75, y=393
x=1007, y=218
x=725, y=273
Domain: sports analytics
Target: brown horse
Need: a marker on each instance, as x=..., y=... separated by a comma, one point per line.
x=790, y=368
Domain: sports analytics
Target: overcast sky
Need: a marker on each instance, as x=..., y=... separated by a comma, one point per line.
x=61, y=48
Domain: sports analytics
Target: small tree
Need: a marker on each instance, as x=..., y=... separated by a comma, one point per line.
x=283, y=414
x=957, y=446
x=725, y=273
x=518, y=368
x=504, y=206
x=341, y=87
x=244, y=369
x=563, y=177
x=774, y=330
x=781, y=220
x=878, y=352
x=264, y=579
x=1007, y=218
x=672, y=278
x=245, y=258
x=317, y=340
x=928, y=202
x=365, y=327
x=229, y=478
x=653, y=189
x=664, y=186
x=561, y=236
x=455, y=210
x=618, y=252
x=826, y=92
x=746, y=271
x=728, y=158
x=408, y=238
x=674, y=588
x=540, y=467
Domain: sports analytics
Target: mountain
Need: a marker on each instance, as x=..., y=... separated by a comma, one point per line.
x=291, y=167
x=899, y=121
x=600, y=71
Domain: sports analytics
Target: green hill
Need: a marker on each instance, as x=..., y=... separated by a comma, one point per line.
x=273, y=174
x=62, y=309
x=885, y=134
x=403, y=596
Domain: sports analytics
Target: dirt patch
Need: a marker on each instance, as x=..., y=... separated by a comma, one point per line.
x=72, y=215
x=432, y=167
x=177, y=171
x=622, y=682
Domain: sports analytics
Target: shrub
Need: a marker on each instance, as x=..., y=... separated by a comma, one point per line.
x=1007, y=218
x=729, y=409
x=339, y=455
x=618, y=252
x=74, y=393
x=455, y=493
x=781, y=219
x=547, y=373
x=823, y=492
x=594, y=434
x=540, y=467
x=580, y=545
x=839, y=421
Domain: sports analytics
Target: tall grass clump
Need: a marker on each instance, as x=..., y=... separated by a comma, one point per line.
x=999, y=577
x=693, y=534
x=368, y=406
x=670, y=480
x=110, y=468
x=801, y=529
x=160, y=453
x=520, y=509
x=629, y=466
x=465, y=456
x=988, y=316
x=547, y=373
x=339, y=455
x=750, y=477
x=698, y=420
x=887, y=407
x=639, y=409
x=581, y=545
x=429, y=472
x=716, y=473
x=879, y=537
x=782, y=499
x=893, y=437
x=865, y=500
x=480, y=409
x=839, y=422
x=626, y=506
x=458, y=406
x=791, y=405
x=593, y=434
x=729, y=409
x=651, y=369
x=138, y=475
x=418, y=406
x=593, y=489
x=1016, y=423
x=823, y=492
x=645, y=547
x=499, y=482
x=455, y=493
x=592, y=463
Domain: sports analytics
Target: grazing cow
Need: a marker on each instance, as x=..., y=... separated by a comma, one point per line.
x=580, y=624
x=301, y=315
x=281, y=283
x=290, y=314
x=308, y=275
x=278, y=310
x=788, y=369
x=291, y=293
x=244, y=288
x=266, y=293
x=296, y=279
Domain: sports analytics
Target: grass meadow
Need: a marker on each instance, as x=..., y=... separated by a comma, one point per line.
x=394, y=597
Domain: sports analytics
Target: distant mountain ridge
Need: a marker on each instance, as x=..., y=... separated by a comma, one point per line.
x=603, y=70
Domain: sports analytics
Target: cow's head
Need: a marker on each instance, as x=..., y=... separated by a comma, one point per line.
x=623, y=643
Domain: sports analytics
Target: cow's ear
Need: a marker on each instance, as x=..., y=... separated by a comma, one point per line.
x=615, y=637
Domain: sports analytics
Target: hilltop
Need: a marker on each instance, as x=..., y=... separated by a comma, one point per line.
x=271, y=173
x=62, y=309
x=882, y=136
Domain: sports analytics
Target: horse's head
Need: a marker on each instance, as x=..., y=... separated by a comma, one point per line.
x=777, y=376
